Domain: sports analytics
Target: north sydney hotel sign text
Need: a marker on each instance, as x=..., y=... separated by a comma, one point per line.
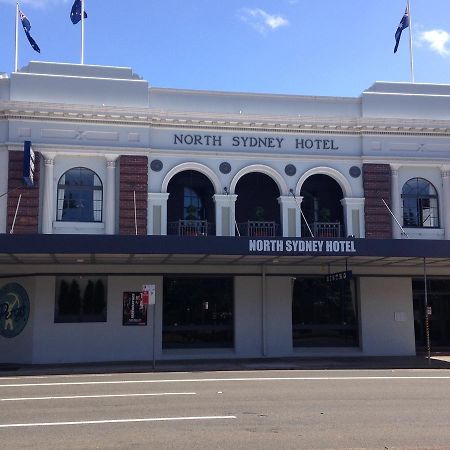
x=253, y=142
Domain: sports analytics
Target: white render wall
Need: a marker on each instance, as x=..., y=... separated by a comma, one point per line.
x=279, y=316
x=386, y=316
x=385, y=309
x=88, y=342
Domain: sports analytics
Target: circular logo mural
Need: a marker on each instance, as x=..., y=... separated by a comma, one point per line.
x=14, y=310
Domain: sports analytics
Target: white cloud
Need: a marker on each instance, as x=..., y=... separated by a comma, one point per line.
x=261, y=20
x=438, y=41
x=35, y=3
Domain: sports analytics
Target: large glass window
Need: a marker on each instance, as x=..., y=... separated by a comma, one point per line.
x=80, y=196
x=420, y=204
x=80, y=298
x=198, y=312
x=324, y=314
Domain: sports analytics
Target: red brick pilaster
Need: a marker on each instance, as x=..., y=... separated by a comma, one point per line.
x=377, y=186
x=27, y=220
x=133, y=178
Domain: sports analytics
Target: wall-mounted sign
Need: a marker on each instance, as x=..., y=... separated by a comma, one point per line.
x=28, y=164
x=14, y=310
x=134, y=309
x=339, y=276
x=149, y=294
x=254, y=142
x=302, y=246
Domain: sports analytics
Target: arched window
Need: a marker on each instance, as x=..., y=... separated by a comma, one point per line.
x=80, y=196
x=420, y=204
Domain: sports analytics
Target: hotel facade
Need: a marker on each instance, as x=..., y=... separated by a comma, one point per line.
x=163, y=224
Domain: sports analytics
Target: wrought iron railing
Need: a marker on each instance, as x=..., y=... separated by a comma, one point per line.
x=258, y=228
x=189, y=228
x=322, y=229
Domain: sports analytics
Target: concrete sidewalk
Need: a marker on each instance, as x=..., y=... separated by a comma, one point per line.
x=437, y=361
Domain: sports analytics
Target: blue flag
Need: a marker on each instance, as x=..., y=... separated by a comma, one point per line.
x=27, y=27
x=404, y=23
x=75, y=13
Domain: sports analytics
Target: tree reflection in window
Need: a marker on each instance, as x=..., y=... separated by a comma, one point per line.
x=80, y=196
x=420, y=204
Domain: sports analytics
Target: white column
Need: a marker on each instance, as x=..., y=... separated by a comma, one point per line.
x=396, y=203
x=300, y=219
x=288, y=203
x=109, y=204
x=445, y=174
x=225, y=226
x=48, y=195
x=157, y=213
x=354, y=216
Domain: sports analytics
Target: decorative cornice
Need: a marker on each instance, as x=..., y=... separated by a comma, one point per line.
x=152, y=118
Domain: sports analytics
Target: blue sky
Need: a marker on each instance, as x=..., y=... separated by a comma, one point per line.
x=306, y=47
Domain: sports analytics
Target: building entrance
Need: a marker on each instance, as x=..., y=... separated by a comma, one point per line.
x=439, y=321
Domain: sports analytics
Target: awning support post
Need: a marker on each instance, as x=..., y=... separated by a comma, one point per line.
x=427, y=322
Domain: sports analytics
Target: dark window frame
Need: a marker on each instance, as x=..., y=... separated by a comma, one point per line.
x=316, y=325
x=413, y=214
x=79, y=190
x=196, y=329
x=81, y=298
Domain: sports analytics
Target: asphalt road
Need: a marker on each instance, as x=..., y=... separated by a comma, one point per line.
x=283, y=409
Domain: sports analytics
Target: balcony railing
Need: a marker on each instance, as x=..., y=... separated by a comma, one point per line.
x=323, y=229
x=189, y=228
x=258, y=228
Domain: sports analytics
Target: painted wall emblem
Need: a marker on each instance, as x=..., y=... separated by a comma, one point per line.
x=14, y=310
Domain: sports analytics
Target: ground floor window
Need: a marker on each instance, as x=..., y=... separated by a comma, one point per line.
x=80, y=298
x=439, y=320
x=324, y=314
x=198, y=312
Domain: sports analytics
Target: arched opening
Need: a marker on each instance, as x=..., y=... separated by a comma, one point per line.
x=80, y=196
x=257, y=208
x=322, y=207
x=420, y=204
x=190, y=208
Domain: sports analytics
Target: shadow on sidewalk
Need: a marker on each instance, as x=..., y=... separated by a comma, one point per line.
x=437, y=361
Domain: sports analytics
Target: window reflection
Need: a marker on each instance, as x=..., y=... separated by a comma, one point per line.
x=324, y=314
x=198, y=312
x=80, y=196
x=420, y=204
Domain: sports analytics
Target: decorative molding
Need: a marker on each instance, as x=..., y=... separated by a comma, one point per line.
x=76, y=114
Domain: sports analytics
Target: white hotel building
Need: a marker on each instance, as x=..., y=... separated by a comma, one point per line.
x=261, y=221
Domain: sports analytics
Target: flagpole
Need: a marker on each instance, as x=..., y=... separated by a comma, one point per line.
x=16, y=59
x=411, y=56
x=82, y=31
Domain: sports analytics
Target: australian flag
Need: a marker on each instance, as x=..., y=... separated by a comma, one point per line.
x=27, y=27
x=404, y=23
x=75, y=13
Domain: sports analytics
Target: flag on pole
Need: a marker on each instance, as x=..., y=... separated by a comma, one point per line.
x=27, y=27
x=404, y=23
x=75, y=13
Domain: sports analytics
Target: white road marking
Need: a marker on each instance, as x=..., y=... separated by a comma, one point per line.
x=96, y=422
x=70, y=397
x=213, y=380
